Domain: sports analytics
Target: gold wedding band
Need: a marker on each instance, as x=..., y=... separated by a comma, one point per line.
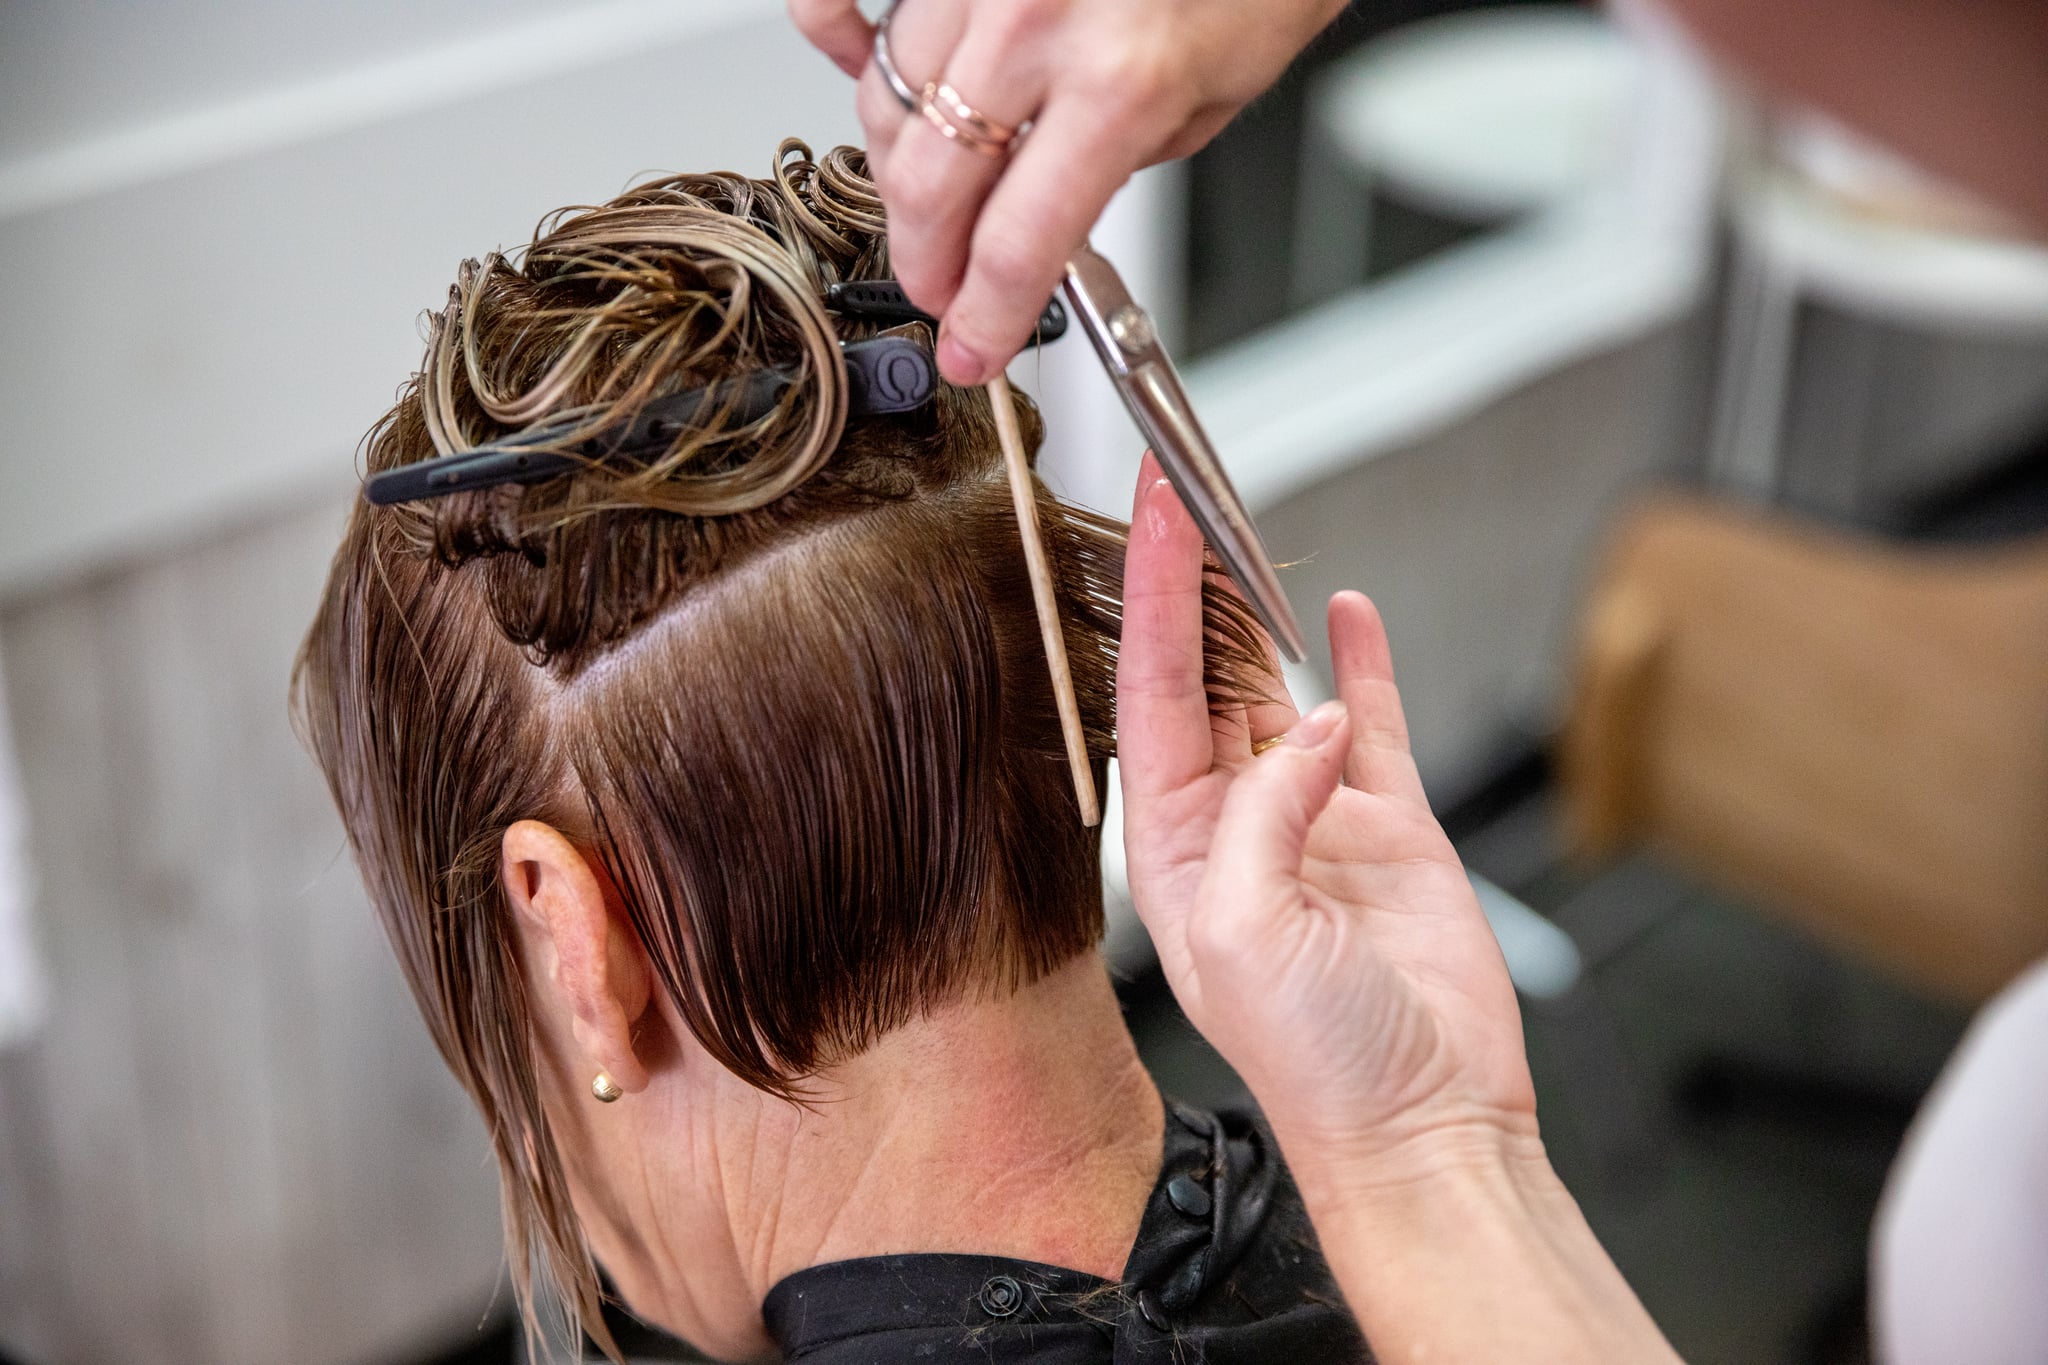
x=960, y=122
x=1260, y=746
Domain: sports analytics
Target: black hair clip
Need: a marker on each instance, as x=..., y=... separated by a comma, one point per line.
x=886, y=374
x=885, y=301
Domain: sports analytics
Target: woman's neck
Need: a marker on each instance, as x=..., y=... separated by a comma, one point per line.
x=1026, y=1128
x=1023, y=1127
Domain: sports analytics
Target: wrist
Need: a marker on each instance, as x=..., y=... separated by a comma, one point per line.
x=1458, y=1242
x=1438, y=1186
x=1466, y=1148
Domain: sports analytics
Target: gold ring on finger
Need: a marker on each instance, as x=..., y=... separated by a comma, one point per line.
x=961, y=122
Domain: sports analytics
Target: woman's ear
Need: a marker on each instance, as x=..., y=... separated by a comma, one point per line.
x=591, y=960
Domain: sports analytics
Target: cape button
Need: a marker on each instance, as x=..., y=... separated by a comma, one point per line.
x=1148, y=1305
x=1001, y=1296
x=1185, y=1193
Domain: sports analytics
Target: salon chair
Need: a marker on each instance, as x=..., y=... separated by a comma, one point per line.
x=1854, y=735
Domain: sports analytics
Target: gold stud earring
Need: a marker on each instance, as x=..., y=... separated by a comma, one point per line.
x=605, y=1088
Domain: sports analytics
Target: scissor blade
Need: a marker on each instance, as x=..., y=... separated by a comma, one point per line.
x=1206, y=491
x=1143, y=373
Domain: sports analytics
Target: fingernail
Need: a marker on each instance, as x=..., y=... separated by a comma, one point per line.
x=1157, y=523
x=1313, y=730
x=960, y=365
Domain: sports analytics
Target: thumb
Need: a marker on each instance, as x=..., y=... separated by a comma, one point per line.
x=1262, y=832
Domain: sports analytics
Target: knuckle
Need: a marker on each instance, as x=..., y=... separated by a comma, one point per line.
x=1136, y=80
x=1153, y=80
x=1020, y=24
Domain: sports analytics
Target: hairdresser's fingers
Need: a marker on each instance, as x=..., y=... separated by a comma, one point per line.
x=1256, y=854
x=936, y=184
x=1276, y=714
x=921, y=37
x=882, y=118
x=933, y=188
x=835, y=28
x=1163, y=736
x=1078, y=155
x=1380, y=760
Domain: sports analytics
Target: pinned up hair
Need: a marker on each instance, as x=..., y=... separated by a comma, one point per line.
x=784, y=683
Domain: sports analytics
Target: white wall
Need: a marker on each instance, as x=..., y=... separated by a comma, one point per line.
x=74, y=71
x=220, y=224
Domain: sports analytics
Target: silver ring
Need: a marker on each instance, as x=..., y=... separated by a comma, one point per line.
x=885, y=62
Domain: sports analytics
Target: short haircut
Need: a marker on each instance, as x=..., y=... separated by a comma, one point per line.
x=785, y=684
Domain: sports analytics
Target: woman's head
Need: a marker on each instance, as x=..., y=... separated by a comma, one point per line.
x=782, y=686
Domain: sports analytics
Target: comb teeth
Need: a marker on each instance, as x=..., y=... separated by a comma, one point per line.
x=885, y=301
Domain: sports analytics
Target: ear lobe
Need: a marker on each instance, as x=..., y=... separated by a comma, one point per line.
x=595, y=970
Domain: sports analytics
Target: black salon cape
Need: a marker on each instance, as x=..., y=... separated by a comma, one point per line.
x=1226, y=1271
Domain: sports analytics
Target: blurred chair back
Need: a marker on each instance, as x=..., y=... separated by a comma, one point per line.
x=1855, y=735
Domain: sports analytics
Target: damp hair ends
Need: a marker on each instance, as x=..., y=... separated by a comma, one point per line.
x=785, y=682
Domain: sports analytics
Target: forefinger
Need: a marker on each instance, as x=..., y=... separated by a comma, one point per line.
x=835, y=28
x=1048, y=199
x=1164, y=739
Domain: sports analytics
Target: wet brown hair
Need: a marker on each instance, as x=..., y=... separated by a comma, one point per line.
x=785, y=683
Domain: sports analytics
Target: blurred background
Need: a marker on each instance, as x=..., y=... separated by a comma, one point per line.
x=1696, y=452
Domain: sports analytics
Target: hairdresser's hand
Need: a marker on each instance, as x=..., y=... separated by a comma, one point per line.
x=1110, y=85
x=1322, y=936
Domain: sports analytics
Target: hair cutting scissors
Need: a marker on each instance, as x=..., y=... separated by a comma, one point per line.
x=1137, y=362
